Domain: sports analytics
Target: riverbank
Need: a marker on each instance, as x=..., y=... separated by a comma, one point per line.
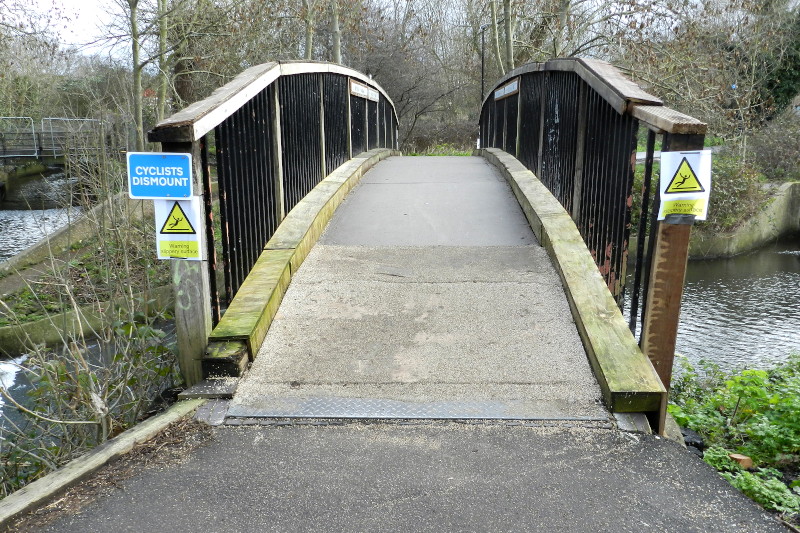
x=779, y=217
x=76, y=280
x=744, y=424
x=8, y=173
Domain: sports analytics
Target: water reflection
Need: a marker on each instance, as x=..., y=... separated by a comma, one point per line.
x=34, y=208
x=49, y=190
x=22, y=229
x=742, y=312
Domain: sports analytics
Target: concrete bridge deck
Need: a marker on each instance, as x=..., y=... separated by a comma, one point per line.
x=427, y=297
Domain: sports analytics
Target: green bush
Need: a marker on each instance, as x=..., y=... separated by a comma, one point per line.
x=77, y=401
x=736, y=194
x=751, y=412
x=444, y=149
x=775, y=150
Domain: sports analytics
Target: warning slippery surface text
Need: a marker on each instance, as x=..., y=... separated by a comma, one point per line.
x=179, y=249
x=685, y=184
x=176, y=229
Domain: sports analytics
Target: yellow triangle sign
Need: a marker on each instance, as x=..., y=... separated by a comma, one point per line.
x=177, y=222
x=684, y=180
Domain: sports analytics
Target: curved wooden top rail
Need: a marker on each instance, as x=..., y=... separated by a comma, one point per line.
x=621, y=93
x=191, y=123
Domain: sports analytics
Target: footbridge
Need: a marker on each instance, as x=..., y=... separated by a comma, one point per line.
x=343, y=280
x=49, y=139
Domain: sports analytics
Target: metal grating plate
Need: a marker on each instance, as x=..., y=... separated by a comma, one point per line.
x=371, y=408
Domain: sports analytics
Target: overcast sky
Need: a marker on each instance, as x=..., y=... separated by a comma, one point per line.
x=82, y=20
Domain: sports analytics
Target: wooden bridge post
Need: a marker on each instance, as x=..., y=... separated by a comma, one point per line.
x=191, y=283
x=662, y=306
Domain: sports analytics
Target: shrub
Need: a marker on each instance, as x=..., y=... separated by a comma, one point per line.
x=775, y=150
x=752, y=412
x=736, y=194
x=78, y=400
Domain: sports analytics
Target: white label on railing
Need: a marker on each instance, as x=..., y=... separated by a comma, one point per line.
x=363, y=91
x=177, y=225
x=508, y=89
x=685, y=183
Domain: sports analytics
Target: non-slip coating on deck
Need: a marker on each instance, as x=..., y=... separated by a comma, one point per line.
x=427, y=298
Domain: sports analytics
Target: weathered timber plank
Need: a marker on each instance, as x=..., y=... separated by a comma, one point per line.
x=191, y=284
x=604, y=78
x=250, y=313
x=201, y=117
x=214, y=388
x=626, y=377
x=625, y=87
x=662, y=305
x=664, y=297
x=44, y=489
x=191, y=123
x=629, y=378
x=666, y=120
x=228, y=358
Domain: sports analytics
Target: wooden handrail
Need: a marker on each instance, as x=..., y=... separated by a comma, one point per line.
x=620, y=92
x=191, y=123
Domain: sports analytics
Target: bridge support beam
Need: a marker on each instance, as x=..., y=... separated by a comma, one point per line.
x=662, y=305
x=192, y=286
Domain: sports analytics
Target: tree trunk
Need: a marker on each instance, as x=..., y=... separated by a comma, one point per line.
x=309, y=30
x=336, y=32
x=508, y=24
x=563, y=16
x=496, y=38
x=184, y=90
x=138, y=117
x=163, y=68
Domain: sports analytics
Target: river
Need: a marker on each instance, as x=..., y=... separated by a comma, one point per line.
x=744, y=311
x=36, y=206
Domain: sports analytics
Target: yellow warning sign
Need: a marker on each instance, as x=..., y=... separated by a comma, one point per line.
x=177, y=222
x=684, y=180
x=179, y=249
x=696, y=207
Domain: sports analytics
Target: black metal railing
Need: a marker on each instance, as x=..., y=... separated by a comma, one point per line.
x=575, y=124
x=246, y=173
x=275, y=132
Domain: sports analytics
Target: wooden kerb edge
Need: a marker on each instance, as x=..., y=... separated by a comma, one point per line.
x=235, y=341
x=36, y=494
x=626, y=377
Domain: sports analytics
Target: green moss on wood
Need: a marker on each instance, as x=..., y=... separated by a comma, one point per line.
x=627, y=379
x=250, y=314
x=227, y=358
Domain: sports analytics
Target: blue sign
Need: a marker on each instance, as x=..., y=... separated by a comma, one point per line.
x=159, y=175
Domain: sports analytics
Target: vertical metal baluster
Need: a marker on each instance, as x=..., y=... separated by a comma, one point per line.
x=642, y=233
x=651, y=240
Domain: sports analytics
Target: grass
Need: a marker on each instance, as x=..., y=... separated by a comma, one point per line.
x=96, y=273
x=445, y=149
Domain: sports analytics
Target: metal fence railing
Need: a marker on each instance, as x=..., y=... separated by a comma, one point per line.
x=574, y=123
x=275, y=132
